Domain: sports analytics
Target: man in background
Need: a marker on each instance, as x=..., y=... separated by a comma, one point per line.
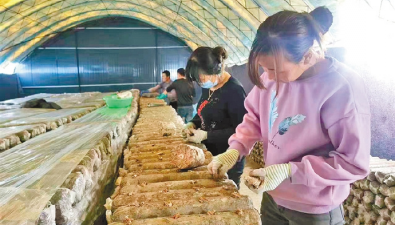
x=185, y=95
x=161, y=88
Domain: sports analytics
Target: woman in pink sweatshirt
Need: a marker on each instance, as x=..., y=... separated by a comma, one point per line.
x=313, y=116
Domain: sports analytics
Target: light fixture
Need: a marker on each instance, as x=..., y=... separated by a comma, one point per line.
x=8, y=68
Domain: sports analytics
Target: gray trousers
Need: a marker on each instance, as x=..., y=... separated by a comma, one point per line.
x=272, y=214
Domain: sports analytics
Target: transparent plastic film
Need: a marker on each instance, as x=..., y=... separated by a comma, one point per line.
x=72, y=105
x=67, y=168
x=105, y=114
x=19, y=101
x=4, y=132
x=112, y=114
x=31, y=173
x=77, y=98
x=54, y=118
x=25, y=206
x=12, y=136
x=71, y=100
x=15, y=114
x=8, y=107
x=81, y=100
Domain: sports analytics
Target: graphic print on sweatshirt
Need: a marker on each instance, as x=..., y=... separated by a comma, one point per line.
x=284, y=125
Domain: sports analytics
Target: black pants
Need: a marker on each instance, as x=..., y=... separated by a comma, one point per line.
x=236, y=171
x=174, y=105
x=271, y=214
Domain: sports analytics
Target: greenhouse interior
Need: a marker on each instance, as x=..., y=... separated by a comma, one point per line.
x=184, y=112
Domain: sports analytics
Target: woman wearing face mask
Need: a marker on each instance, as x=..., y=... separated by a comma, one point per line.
x=313, y=116
x=221, y=106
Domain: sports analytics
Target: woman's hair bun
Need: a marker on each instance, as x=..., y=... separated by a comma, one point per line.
x=220, y=53
x=323, y=17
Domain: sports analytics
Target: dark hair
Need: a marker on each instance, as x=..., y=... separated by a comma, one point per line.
x=289, y=35
x=205, y=60
x=323, y=17
x=167, y=73
x=181, y=71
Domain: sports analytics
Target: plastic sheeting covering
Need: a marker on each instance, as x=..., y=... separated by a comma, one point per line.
x=19, y=101
x=31, y=172
x=83, y=100
x=13, y=122
x=71, y=105
x=121, y=116
x=34, y=171
x=104, y=114
x=15, y=114
x=8, y=107
x=4, y=132
x=51, y=119
x=12, y=136
x=77, y=98
x=65, y=101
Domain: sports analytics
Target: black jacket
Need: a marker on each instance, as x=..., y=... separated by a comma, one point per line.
x=221, y=114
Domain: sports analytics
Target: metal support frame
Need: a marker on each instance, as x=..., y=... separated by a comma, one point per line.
x=156, y=63
x=78, y=60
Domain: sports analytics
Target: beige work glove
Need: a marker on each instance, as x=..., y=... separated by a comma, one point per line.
x=223, y=162
x=271, y=177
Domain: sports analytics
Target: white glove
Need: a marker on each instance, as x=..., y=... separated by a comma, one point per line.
x=222, y=163
x=197, y=136
x=271, y=176
x=188, y=129
x=255, y=184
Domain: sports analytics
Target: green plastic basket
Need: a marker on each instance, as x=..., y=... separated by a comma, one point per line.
x=113, y=101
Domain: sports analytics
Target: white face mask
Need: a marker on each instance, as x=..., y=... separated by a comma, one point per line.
x=209, y=84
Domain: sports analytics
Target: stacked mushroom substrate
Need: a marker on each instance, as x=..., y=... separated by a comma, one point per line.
x=151, y=188
x=83, y=192
x=372, y=200
x=62, y=176
x=13, y=136
x=20, y=124
x=257, y=154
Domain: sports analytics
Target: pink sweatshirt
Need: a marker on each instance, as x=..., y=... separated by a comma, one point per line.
x=321, y=126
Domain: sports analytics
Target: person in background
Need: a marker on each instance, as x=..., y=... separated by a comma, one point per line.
x=221, y=107
x=166, y=82
x=185, y=94
x=312, y=114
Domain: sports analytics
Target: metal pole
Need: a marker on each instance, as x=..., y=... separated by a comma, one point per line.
x=156, y=57
x=78, y=60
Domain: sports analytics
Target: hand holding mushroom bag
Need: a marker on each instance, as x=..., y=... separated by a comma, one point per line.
x=313, y=116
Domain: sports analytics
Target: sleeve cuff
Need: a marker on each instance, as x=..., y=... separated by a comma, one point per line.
x=239, y=147
x=297, y=173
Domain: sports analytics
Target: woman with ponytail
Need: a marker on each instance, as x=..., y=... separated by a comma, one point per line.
x=221, y=106
x=312, y=114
